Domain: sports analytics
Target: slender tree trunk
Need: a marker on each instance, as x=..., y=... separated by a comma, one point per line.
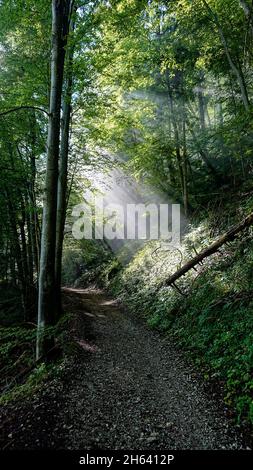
x=46, y=300
x=202, y=120
x=184, y=164
x=6, y=260
x=235, y=69
x=170, y=127
x=31, y=262
x=217, y=176
x=246, y=8
x=220, y=114
x=63, y=170
x=177, y=139
x=24, y=260
x=33, y=216
x=32, y=222
x=248, y=13
x=202, y=117
x=13, y=274
x=16, y=250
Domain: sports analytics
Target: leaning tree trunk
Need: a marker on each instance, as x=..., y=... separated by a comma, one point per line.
x=46, y=301
x=210, y=250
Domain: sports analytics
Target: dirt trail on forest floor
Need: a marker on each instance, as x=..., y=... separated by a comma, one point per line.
x=128, y=389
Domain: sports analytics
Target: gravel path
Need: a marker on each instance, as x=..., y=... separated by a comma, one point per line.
x=128, y=389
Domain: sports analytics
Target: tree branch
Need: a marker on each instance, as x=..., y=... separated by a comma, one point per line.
x=18, y=108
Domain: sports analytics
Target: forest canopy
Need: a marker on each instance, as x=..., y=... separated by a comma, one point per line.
x=159, y=89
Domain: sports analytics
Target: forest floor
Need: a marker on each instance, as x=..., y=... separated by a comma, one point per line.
x=127, y=388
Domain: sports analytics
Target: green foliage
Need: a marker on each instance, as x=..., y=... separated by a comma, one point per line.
x=162, y=84
x=33, y=383
x=174, y=51
x=213, y=322
x=17, y=353
x=84, y=262
x=11, y=311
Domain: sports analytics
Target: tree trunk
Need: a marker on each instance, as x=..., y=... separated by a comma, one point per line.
x=24, y=260
x=248, y=13
x=203, y=151
x=16, y=250
x=63, y=170
x=202, y=117
x=46, y=300
x=219, y=178
x=235, y=69
x=211, y=249
x=185, y=165
x=177, y=139
x=33, y=216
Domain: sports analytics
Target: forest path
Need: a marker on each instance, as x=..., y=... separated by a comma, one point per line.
x=128, y=388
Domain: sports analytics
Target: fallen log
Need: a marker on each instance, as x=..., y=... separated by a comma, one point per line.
x=211, y=249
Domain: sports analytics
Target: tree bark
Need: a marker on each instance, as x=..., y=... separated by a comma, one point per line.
x=16, y=249
x=202, y=117
x=63, y=170
x=33, y=215
x=176, y=137
x=185, y=164
x=46, y=300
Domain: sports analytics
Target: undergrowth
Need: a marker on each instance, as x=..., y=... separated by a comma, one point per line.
x=20, y=375
x=212, y=317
